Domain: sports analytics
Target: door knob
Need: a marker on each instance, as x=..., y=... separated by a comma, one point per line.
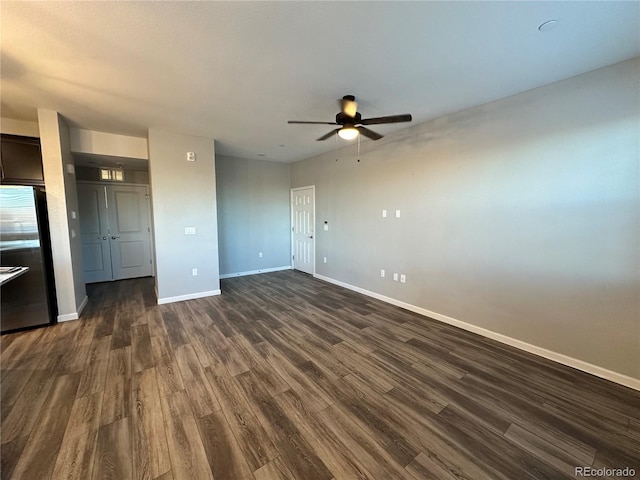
x=113, y=238
x=310, y=236
x=104, y=238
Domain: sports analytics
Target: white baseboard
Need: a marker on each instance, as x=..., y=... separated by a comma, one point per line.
x=68, y=316
x=190, y=296
x=75, y=315
x=527, y=347
x=254, y=272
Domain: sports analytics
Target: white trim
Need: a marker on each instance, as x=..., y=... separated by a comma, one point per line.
x=254, y=272
x=527, y=347
x=313, y=188
x=190, y=296
x=75, y=315
x=68, y=316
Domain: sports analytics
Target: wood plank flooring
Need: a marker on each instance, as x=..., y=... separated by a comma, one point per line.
x=286, y=377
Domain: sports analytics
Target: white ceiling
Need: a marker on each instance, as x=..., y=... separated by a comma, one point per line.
x=237, y=71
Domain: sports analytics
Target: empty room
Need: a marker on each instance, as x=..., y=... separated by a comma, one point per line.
x=320, y=240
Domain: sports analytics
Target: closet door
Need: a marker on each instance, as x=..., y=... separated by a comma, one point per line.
x=94, y=232
x=130, y=235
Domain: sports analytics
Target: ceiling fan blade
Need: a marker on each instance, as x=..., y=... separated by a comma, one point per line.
x=312, y=123
x=389, y=119
x=328, y=135
x=369, y=133
x=349, y=105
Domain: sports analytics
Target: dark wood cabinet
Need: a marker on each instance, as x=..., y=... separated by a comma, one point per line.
x=21, y=160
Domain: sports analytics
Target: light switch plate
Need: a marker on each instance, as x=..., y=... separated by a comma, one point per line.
x=189, y=230
x=384, y=214
x=397, y=213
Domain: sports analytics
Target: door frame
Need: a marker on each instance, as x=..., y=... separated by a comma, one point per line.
x=152, y=233
x=313, y=189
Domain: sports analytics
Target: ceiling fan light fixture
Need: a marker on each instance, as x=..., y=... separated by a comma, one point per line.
x=348, y=133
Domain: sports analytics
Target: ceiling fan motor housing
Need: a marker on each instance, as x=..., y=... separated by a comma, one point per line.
x=344, y=119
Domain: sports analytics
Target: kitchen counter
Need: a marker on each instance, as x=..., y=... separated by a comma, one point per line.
x=10, y=273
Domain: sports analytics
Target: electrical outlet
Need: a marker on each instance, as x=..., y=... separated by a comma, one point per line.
x=403, y=278
x=191, y=156
x=325, y=259
x=382, y=273
x=189, y=230
x=395, y=277
x=194, y=272
x=260, y=254
x=384, y=214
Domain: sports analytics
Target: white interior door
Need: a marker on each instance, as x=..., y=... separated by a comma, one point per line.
x=94, y=233
x=302, y=228
x=129, y=231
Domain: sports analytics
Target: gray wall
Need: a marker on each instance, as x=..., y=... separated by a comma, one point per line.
x=253, y=214
x=519, y=216
x=62, y=206
x=183, y=194
x=19, y=127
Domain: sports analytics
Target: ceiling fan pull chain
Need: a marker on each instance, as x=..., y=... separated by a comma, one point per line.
x=358, y=148
x=336, y=137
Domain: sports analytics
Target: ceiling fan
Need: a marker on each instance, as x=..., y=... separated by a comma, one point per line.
x=351, y=121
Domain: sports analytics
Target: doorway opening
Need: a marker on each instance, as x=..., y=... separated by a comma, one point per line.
x=115, y=222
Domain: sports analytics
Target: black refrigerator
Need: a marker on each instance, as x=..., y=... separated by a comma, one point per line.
x=27, y=292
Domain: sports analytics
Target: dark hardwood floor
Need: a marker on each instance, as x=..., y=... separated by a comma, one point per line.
x=286, y=377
